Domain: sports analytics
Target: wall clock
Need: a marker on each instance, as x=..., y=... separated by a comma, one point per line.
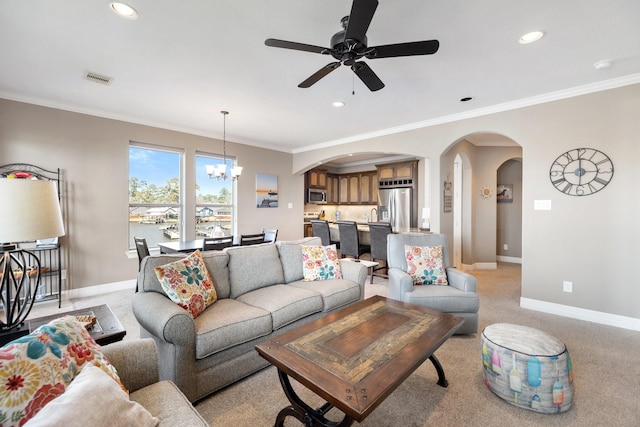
x=581, y=171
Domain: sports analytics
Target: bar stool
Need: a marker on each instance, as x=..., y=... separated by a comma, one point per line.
x=350, y=241
x=321, y=230
x=379, y=232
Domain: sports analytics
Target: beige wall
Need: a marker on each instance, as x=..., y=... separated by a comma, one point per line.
x=93, y=155
x=591, y=241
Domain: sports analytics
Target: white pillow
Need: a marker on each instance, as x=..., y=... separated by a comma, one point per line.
x=93, y=399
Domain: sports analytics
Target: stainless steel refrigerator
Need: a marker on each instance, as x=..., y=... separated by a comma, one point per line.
x=395, y=206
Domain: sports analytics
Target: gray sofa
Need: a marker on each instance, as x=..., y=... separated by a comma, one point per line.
x=459, y=298
x=137, y=365
x=260, y=294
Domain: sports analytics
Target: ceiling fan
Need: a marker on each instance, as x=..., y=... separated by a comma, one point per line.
x=350, y=45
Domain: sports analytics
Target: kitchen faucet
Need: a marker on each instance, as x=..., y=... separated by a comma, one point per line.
x=372, y=217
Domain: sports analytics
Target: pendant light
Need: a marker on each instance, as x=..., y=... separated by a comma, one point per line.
x=220, y=171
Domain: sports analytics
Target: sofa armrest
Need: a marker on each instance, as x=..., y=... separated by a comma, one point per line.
x=461, y=280
x=163, y=318
x=399, y=283
x=136, y=362
x=354, y=271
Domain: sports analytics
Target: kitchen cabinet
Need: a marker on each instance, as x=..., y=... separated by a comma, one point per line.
x=333, y=189
x=344, y=189
x=317, y=178
x=403, y=170
x=354, y=188
x=308, y=230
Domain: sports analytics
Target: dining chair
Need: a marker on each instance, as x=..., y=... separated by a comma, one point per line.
x=143, y=251
x=321, y=230
x=379, y=232
x=270, y=235
x=216, y=243
x=350, y=240
x=251, y=239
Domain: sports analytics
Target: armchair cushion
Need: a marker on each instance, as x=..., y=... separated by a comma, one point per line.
x=37, y=368
x=424, y=265
x=90, y=386
x=187, y=283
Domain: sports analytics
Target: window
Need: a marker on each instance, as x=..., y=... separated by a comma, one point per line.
x=214, y=200
x=155, y=208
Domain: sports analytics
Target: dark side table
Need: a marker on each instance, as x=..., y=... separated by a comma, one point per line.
x=107, y=329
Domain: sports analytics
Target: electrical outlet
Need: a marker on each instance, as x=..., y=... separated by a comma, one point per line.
x=505, y=247
x=64, y=274
x=567, y=286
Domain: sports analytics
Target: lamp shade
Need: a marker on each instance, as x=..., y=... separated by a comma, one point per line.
x=30, y=211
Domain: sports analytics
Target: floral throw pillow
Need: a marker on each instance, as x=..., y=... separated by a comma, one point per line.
x=187, y=283
x=425, y=265
x=320, y=263
x=37, y=368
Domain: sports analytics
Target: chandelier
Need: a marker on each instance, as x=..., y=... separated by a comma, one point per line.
x=220, y=171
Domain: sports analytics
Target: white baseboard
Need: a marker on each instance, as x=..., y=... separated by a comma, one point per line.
x=480, y=266
x=92, y=291
x=581, y=314
x=510, y=259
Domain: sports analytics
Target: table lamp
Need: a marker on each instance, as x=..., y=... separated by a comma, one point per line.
x=31, y=211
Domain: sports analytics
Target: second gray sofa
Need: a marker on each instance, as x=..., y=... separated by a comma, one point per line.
x=260, y=294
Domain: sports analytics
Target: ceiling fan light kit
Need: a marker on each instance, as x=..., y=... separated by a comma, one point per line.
x=349, y=47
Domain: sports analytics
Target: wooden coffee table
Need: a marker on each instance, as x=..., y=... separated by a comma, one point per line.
x=356, y=357
x=107, y=329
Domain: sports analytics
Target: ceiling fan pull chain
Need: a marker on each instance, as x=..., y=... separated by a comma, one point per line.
x=353, y=84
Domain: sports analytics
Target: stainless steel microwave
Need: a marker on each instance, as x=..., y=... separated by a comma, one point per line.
x=316, y=196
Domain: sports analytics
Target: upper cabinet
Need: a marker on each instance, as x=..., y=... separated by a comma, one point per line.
x=317, y=178
x=359, y=188
x=403, y=170
x=333, y=189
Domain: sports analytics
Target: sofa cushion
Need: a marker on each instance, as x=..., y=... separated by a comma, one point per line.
x=228, y=323
x=253, y=267
x=335, y=293
x=425, y=265
x=165, y=401
x=99, y=402
x=285, y=303
x=291, y=257
x=187, y=283
x=216, y=262
x=38, y=367
x=320, y=263
x=444, y=298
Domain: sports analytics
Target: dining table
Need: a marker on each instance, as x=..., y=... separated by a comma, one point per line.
x=180, y=246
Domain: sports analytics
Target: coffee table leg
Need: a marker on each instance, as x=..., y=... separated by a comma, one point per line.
x=442, y=381
x=304, y=413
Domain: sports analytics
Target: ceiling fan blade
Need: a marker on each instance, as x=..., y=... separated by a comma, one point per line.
x=428, y=47
x=359, y=19
x=368, y=77
x=295, y=46
x=313, y=79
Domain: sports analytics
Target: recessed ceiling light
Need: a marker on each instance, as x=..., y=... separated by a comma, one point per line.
x=466, y=99
x=605, y=63
x=531, y=37
x=124, y=10
x=338, y=104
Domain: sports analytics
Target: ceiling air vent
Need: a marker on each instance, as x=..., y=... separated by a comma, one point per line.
x=98, y=78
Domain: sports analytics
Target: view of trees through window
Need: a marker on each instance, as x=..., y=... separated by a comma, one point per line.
x=155, y=188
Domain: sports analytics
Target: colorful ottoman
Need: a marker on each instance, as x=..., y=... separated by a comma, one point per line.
x=527, y=367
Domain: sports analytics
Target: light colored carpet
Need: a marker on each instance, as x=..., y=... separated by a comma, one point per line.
x=605, y=362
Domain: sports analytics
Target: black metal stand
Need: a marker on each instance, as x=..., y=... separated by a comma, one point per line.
x=304, y=413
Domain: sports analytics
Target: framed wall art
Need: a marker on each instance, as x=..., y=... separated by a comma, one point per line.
x=504, y=194
x=266, y=190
